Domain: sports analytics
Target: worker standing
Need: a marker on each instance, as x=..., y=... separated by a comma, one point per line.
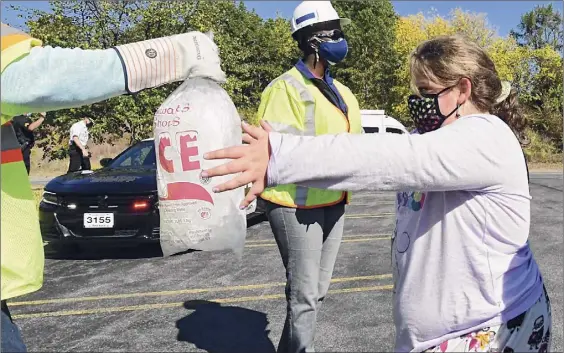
x=78, y=150
x=100, y=74
x=307, y=222
x=24, y=128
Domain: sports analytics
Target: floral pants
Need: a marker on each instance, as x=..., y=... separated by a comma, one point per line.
x=528, y=332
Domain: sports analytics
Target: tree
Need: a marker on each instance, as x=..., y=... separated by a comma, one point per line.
x=253, y=53
x=540, y=34
x=369, y=69
x=414, y=29
x=540, y=27
x=536, y=73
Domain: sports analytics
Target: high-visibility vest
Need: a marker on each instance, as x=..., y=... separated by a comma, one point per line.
x=22, y=248
x=293, y=104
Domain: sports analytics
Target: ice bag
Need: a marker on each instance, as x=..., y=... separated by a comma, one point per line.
x=196, y=118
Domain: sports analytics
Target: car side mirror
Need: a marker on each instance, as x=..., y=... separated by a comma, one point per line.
x=105, y=161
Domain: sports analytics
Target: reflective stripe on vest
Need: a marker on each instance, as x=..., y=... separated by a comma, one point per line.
x=22, y=259
x=300, y=198
x=11, y=151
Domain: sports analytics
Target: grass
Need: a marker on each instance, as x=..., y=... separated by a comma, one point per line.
x=542, y=156
x=37, y=194
x=40, y=166
x=541, y=167
x=542, y=152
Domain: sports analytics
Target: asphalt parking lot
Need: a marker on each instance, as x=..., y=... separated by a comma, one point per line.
x=130, y=299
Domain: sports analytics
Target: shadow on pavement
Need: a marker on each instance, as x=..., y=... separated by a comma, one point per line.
x=224, y=329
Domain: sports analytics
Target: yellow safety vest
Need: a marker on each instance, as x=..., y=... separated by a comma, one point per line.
x=22, y=248
x=293, y=104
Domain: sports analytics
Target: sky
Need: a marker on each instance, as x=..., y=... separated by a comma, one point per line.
x=502, y=15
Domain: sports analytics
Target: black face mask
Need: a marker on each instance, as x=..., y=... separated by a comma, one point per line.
x=425, y=111
x=89, y=125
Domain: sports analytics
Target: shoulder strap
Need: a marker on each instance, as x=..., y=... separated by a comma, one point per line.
x=326, y=90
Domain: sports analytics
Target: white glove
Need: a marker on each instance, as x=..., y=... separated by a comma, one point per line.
x=155, y=62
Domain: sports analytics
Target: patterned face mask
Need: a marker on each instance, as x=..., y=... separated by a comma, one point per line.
x=425, y=111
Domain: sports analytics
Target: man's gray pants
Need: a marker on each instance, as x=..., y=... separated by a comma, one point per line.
x=308, y=240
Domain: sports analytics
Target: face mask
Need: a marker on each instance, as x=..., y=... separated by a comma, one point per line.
x=334, y=51
x=426, y=113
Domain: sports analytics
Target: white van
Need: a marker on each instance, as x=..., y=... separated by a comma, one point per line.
x=376, y=121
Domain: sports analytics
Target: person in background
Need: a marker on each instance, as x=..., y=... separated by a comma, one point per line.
x=78, y=150
x=24, y=128
x=465, y=278
x=308, y=222
x=36, y=79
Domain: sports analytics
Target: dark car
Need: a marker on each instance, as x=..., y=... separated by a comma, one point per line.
x=118, y=202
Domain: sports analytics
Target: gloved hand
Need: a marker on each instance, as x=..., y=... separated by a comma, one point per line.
x=155, y=62
x=207, y=62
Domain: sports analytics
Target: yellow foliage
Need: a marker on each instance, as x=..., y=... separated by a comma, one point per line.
x=510, y=59
x=550, y=63
x=474, y=26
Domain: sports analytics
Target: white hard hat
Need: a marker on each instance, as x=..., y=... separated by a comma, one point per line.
x=311, y=12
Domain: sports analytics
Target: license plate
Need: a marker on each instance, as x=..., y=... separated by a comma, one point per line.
x=98, y=220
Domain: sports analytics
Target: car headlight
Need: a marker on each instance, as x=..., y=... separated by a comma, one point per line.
x=50, y=198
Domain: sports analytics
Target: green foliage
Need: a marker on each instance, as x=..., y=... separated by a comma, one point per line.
x=254, y=51
x=536, y=73
x=540, y=27
x=371, y=64
x=541, y=37
x=541, y=149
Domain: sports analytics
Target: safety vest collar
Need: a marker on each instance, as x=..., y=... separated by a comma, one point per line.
x=15, y=44
x=304, y=70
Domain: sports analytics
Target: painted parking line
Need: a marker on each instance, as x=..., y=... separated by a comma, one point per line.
x=373, y=204
x=117, y=309
x=344, y=237
x=370, y=215
x=271, y=243
x=187, y=291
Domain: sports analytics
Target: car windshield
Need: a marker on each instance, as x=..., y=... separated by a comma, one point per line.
x=141, y=154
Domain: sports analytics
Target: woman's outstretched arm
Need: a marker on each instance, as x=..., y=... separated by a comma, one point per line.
x=471, y=154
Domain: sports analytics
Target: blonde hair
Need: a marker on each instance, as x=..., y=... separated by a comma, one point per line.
x=445, y=60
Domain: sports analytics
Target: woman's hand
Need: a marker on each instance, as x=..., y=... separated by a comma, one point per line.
x=251, y=160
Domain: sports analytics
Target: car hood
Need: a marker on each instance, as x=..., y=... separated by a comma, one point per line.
x=106, y=180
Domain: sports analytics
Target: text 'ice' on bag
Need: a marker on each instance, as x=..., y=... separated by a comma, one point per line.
x=196, y=118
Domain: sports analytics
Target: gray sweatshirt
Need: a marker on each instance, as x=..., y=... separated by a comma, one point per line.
x=460, y=254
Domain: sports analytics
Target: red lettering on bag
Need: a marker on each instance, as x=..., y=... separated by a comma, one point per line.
x=164, y=142
x=172, y=111
x=188, y=150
